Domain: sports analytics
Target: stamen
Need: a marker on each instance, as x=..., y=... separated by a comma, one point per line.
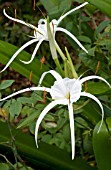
x=97, y=67
x=34, y=5
x=30, y=78
x=15, y=11
x=52, y=27
x=42, y=61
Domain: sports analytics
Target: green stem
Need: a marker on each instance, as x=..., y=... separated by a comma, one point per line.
x=60, y=52
x=59, y=66
x=71, y=64
x=53, y=48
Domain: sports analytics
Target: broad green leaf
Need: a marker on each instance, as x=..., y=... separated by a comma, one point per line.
x=24, y=69
x=102, y=145
x=15, y=109
x=56, y=8
x=103, y=5
x=45, y=156
x=4, y=166
x=97, y=88
x=5, y=84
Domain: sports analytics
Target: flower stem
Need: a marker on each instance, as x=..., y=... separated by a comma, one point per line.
x=60, y=52
x=71, y=64
x=59, y=66
x=53, y=48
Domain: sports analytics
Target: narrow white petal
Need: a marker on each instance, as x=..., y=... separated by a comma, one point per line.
x=34, y=53
x=94, y=77
x=99, y=103
x=53, y=72
x=72, y=36
x=71, y=118
x=25, y=90
x=42, y=115
x=17, y=52
x=69, y=12
x=19, y=21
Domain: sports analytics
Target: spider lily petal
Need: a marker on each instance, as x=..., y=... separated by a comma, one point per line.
x=72, y=36
x=53, y=72
x=94, y=77
x=17, y=52
x=43, y=113
x=26, y=90
x=34, y=53
x=99, y=103
x=71, y=118
x=69, y=12
x=19, y=21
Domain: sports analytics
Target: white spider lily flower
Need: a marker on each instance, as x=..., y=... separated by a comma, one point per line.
x=65, y=91
x=41, y=34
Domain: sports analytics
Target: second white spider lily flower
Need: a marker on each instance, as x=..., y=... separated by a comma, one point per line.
x=40, y=33
x=64, y=91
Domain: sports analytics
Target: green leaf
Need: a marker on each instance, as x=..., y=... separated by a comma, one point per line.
x=25, y=100
x=6, y=84
x=84, y=39
x=46, y=156
x=102, y=145
x=80, y=122
x=66, y=132
x=98, y=87
x=4, y=166
x=102, y=25
x=46, y=138
x=24, y=69
x=56, y=8
x=15, y=109
x=29, y=119
x=92, y=112
x=103, y=5
x=87, y=143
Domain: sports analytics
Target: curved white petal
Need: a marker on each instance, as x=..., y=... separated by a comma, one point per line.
x=42, y=21
x=59, y=90
x=94, y=77
x=42, y=115
x=19, y=21
x=99, y=103
x=34, y=53
x=72, y=36
x=69, y=12
x=25, y=90
x=53, y=72
x=71, y=118
x=17, y=52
